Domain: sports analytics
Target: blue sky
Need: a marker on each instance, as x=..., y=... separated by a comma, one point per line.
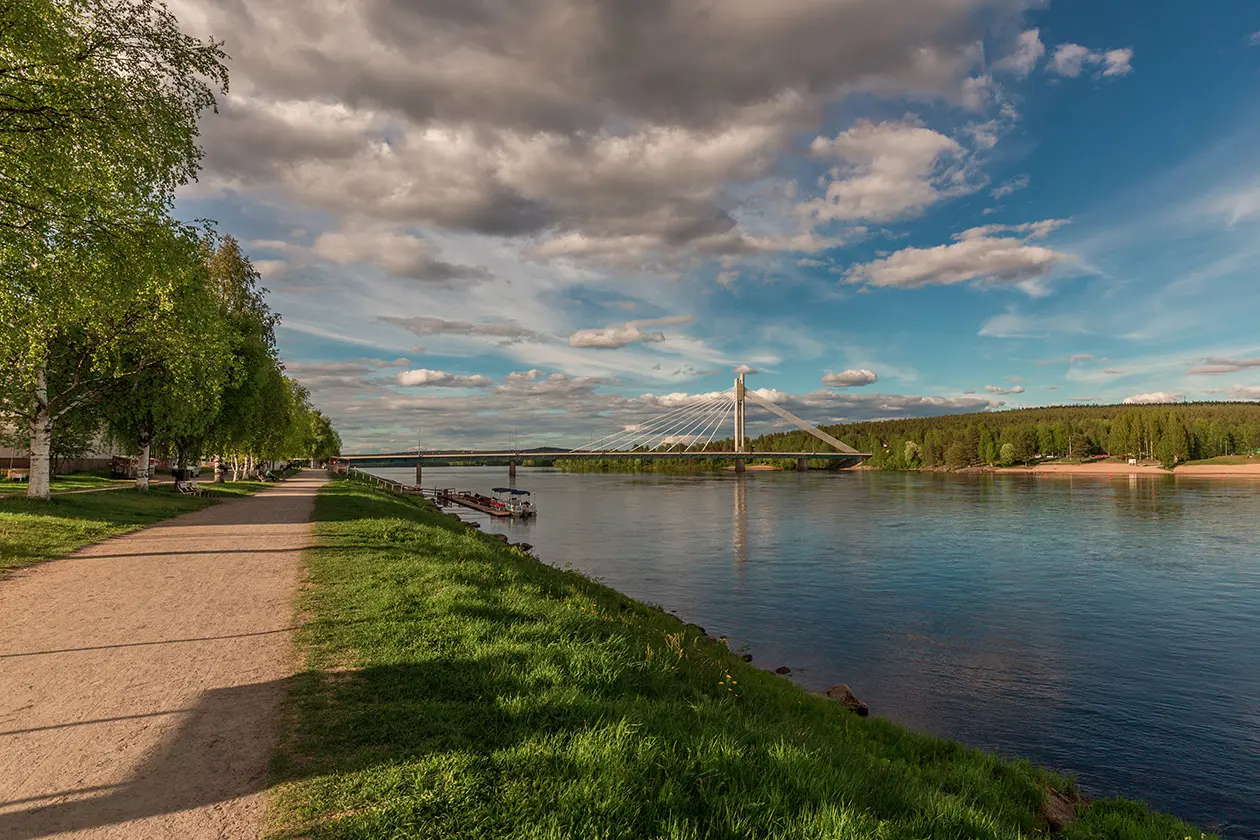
x=549, y=219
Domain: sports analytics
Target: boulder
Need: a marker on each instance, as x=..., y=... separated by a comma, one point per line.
x=783, y=670
x=843, y=695
x=1058, y=811
x=747, y=657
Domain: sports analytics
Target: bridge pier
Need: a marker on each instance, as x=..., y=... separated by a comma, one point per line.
x=511, y=469
x=739, y=465
x=419, y=473
x=802, y=464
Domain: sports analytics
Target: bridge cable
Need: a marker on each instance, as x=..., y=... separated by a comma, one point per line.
x=653, y=427
x=704, y=421
x=690, y=411
x=608, y=441
x=721, y=420
x=687, y=426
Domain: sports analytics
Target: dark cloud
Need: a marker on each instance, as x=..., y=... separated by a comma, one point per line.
x=507, y=333
x=610, y=128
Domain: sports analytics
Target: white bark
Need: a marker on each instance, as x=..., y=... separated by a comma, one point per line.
x=41, y=427
x=219, y=470
x=142, y=464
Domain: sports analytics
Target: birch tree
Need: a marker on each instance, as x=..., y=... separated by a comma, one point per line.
x=99, y=101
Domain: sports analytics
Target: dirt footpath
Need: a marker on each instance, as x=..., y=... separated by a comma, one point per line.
x=141, y=678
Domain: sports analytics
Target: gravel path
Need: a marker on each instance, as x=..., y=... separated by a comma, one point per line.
x=141, y=678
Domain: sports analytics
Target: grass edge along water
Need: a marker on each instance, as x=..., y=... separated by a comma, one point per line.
x=456, y=687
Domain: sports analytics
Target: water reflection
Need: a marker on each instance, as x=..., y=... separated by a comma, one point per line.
x=739, y=526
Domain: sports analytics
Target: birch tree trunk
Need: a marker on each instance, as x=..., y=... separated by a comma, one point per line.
x=41, y=426
x=142, y=462
x=219, y=471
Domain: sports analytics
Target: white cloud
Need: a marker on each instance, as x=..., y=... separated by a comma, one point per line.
x=1015, y=325
x=983, y=253
x=1245, y=392
x=746, y=370
x=894, y=169
x=1071, y=60
x=424, y=378
x=1154, y=398
x=1028, y=52
x=1215, y=365
x=998, y=389
x=1113, y=372
x=627, y=333
x=850, y=378
x=1254, y=40
x=1017, y=183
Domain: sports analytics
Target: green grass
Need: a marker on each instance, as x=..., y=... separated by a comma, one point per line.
x=32, y=531
x=1220, y=460
x=459, y=689
x=73, y=481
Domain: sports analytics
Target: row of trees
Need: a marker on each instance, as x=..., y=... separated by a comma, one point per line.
x=1169, y=434
x=114, y=317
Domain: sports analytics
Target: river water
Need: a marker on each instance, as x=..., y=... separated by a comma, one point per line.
x=1106, y=628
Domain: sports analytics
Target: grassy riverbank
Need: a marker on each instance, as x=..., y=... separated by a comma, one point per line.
x=459, y=689
x=33, y=531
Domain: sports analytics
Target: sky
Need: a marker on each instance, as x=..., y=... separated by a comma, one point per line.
x=535, y=222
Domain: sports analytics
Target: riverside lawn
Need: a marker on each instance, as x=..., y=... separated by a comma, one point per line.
x=32, y=531
x=457, y=688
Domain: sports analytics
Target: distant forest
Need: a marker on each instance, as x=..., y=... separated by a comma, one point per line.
x=1170, y=434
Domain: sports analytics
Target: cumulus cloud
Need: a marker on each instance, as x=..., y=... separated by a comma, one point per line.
x=606, y=127
x=1245, y=392
x=505, y=333
x=423, y=378
x=984, y=253
x=850, y=378
x=630, y=332
x=746, y=370
x=1028, y=52
x=1071, y=60
x=998, y=389
x=1215, y=365
x=1154, y=398
x=401, y=254
x=894, y=169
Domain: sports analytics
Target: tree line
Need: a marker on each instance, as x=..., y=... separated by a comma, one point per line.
x=1170, y=434
x=116, y=319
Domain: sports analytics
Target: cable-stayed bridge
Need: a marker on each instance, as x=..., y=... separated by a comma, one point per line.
x=683, y=432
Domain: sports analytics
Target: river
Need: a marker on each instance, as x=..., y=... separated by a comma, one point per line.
x=1106, y=628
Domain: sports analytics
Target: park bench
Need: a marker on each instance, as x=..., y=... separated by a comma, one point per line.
x=189, y=488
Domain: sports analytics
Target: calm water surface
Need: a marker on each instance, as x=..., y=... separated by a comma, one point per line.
x=1107, y=628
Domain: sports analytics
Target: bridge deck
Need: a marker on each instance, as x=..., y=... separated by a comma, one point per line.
x=411, y=458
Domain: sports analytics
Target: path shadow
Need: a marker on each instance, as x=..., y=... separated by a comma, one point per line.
x=223, y=748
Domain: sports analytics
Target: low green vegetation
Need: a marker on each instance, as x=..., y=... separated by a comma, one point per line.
x=1224, y=461
x=457, y=688
x=62, y=483
x=32, y=531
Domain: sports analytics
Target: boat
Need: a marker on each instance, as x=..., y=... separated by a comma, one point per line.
x=516, y=502
x=507, y=503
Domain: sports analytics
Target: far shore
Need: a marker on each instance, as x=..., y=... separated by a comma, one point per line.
x=1112, y=468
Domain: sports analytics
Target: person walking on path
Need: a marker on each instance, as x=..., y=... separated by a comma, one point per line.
x=141, y=678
